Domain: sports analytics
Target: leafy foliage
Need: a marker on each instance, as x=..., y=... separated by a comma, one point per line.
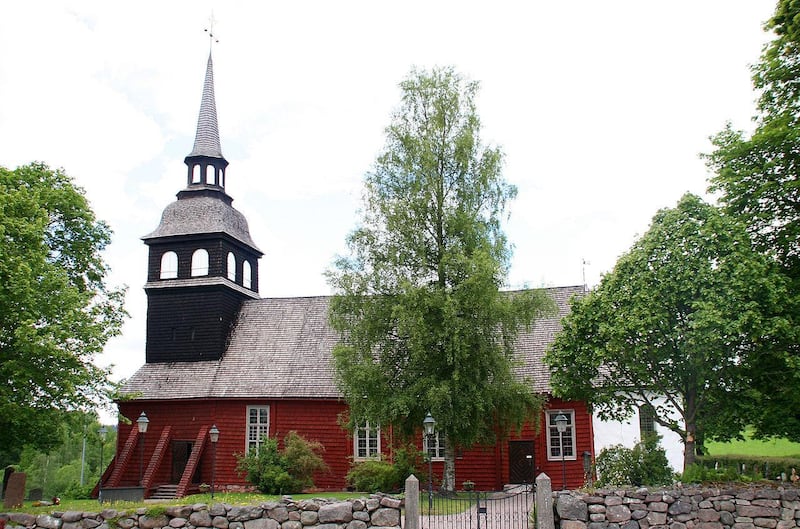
x=58, y=471
x=757, y=178
x=679, y=325
x=383, y=476
x=424, y=325
x=286, y=471
x=57, y=311
x=644, y=464
x=373, y=476
x=741, y=468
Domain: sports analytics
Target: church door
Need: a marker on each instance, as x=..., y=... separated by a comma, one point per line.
x=520, y=461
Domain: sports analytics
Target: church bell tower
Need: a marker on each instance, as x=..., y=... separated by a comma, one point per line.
x=202, y=261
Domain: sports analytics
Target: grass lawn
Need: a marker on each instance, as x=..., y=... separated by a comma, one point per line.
x=754, y=447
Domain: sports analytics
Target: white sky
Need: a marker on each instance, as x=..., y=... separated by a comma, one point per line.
x=600, y=106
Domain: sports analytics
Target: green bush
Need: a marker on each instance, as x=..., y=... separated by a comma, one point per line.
x=287, y=471
x=382, y=476
x=740, y=468
x=373, y=476
x=644, y=464
x=76, y=491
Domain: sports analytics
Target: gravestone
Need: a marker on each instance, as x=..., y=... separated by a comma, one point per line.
x=15, y=491
x=6, y=473
x=35, y=494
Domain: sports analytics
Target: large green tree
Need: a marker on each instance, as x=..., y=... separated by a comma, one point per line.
x=677, y=326
x=56, y=311
x=756, y=176
x=424, y=325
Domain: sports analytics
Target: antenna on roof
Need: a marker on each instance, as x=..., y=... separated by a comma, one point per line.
x=584, y=262
x=210, y=31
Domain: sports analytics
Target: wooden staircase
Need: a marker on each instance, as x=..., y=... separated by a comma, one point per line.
x=156, y=459
x=165, y=492
x=123, y=459
x=194, y=461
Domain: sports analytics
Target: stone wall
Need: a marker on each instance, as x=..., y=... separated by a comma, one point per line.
x=377, y=512
x=680, y=508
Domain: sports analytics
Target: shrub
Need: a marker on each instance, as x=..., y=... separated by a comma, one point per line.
x=740, y=468
x=644, y=464
x=289, y=471
x=382, y=476
x=76, y=491
x=373, y=476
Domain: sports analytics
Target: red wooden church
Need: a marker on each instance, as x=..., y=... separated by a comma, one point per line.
x=219, y=355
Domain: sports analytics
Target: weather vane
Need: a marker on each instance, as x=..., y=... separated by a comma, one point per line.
x=210, y=31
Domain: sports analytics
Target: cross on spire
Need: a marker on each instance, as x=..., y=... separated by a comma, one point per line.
x=210, y=30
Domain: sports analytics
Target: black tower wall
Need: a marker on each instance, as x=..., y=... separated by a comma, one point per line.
x=190, y=324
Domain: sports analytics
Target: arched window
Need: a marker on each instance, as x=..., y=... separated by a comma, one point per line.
x=231, y=267
x=200, y=263
x=247, y=275
x=209, y=174
x=169, y=266
x=196, y=174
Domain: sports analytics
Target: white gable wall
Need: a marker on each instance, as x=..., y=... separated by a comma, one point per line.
x=626, y=433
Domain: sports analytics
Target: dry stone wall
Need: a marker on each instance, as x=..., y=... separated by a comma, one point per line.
x=376, y=512
x=680, y=508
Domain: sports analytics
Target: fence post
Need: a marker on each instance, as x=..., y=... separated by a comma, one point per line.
x=412, y=502
x=544, y=502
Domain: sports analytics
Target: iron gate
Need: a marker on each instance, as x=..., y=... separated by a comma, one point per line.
x=508, y=509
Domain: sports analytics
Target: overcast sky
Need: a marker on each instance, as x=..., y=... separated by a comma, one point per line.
x=601, y=108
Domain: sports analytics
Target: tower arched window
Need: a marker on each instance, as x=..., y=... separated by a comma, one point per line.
x=210, y=174
x=200, y=263
x=231, y=267
x=169, y=266
x=247, y=274
x=196, y=174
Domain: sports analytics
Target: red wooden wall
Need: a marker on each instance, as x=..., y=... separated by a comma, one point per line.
x=318, y=420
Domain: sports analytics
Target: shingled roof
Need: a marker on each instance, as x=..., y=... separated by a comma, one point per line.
x=281, y=348
x=198, y=214
x=206, y=141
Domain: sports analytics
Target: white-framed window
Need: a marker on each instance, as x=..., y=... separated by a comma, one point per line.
x=434, y=446
x=169, y=265
x=555, y=441
x=247, y=274
x=200, y=263
x=231, y=267
x=647, y=423
x=257, y=427
x=367, y=442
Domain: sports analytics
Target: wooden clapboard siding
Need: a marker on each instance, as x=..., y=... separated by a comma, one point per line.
x=316, y=420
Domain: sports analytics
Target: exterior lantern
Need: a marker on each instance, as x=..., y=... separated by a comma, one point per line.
x=429, y=425
x=429, y=428
x=561, y=426
x=213, y=434
x=102, y=433
x=142, y=423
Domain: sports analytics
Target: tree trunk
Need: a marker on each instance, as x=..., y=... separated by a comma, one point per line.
x=449, y=476
x=690, y=442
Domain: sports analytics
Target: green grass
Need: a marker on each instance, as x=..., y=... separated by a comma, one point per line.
x=225, y=497
x=445, y=505
x=754, y=447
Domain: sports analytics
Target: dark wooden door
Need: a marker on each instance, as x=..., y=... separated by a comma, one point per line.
x=520, y=461
x=181, y=450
